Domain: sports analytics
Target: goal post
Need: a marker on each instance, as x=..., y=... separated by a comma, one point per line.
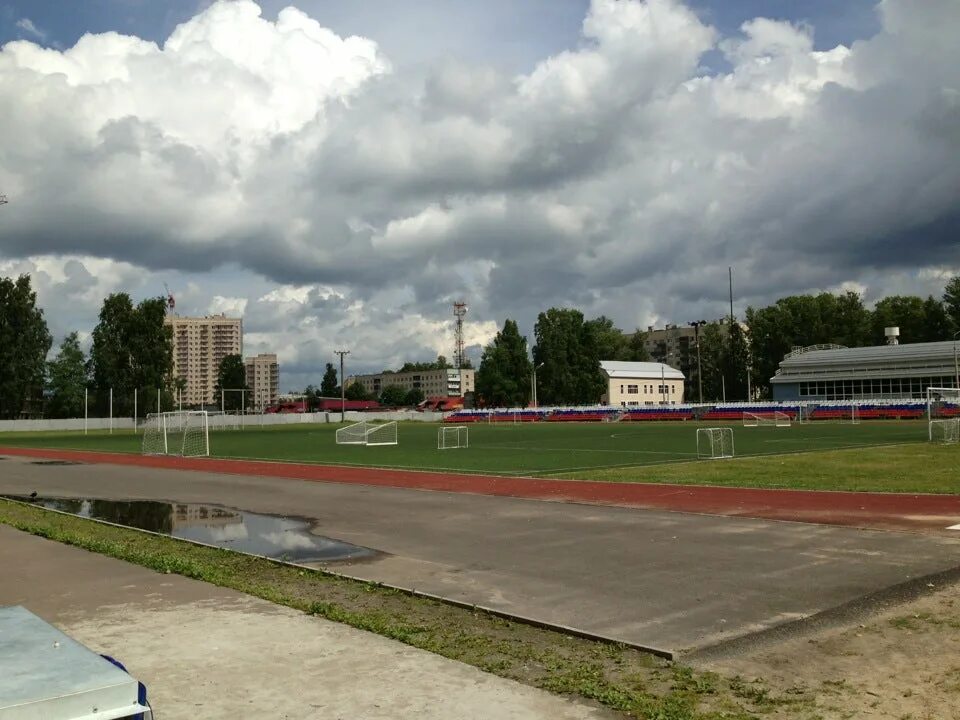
x=382, y=434
x=943, y=403
x=352, y=434
x=368, y=433
x=773, y=419
x=714, y=443
x=945, y=431
x=185, y=433
x=453, y=437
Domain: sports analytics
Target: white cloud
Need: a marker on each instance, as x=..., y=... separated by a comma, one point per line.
x=336, y=201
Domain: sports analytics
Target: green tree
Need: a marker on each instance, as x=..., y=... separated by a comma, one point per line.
x=734, y=360
x=132, y=349
x=503, y=378
x=711, y=362
x=636, y=347
x=951, y=301
x=903, y=311
x=67, y=380
x=24, y=344
x=414, y=397
x=937, y=325
x=393, y=396
x=329, y=387
x=232, y=375
x=355, y=391
x=569, y=350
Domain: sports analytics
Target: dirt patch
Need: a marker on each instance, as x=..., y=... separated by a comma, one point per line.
x=901, y=663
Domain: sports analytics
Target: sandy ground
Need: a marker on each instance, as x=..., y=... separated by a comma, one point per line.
x=901, y=663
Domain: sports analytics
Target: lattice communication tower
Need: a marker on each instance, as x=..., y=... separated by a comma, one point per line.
x=459, y=310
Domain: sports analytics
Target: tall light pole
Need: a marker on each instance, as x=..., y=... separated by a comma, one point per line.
x=343, y=386
x=535, y=368
x=697, y=324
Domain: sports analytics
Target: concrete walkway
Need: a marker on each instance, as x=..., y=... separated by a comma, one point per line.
x=206, y=652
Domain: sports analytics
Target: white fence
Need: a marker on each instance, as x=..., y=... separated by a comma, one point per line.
x=217, y=421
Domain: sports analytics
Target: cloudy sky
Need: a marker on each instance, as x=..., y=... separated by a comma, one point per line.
x=340, y=172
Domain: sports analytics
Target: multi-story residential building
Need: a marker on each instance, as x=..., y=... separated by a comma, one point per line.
x=450, y=382
x=263, y=379
x=199, y=346
x=676, y=346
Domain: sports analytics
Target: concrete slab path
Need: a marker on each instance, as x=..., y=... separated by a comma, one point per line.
x=207, y=652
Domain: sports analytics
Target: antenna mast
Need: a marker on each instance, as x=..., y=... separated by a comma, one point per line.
x=459, y=310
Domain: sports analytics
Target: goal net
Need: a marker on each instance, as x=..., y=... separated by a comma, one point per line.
x=945, y=431
x=772, y=419
x=942, y=404
x=185, y=433
x=451, y=438
x=714, y=443
x=368, y=433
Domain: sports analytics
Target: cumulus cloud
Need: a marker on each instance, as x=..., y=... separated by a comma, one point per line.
x=339, y=200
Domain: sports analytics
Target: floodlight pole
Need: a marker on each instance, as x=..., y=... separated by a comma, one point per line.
x=697, y=324
x=535, y=368
x=343, y=386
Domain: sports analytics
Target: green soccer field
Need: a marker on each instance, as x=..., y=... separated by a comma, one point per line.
x=528, y=449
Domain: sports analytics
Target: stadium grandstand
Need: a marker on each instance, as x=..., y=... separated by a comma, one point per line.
x=885, y=372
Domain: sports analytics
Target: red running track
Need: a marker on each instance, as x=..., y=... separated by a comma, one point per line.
x=923, y=513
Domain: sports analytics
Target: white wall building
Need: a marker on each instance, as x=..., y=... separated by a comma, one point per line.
x=641, y=383
x=450, y=382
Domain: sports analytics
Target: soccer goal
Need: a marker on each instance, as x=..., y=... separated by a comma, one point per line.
x=942, y=404
x=946, y=431
x=453, y=437
x=185, y=433
x=714, y=443
x=772, y=419
x=368, y=433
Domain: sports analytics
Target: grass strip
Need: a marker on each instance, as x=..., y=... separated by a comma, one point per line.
x=627, y=680
x=908, y=468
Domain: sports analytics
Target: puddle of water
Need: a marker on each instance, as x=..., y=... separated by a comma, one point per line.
x=280, y=538
x=54, y=462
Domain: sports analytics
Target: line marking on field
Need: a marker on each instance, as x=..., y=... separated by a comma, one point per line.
x=954, y=527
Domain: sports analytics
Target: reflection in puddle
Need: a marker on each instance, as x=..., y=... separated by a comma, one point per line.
x=280, y=538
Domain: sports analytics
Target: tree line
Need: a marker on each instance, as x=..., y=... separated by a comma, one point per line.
x=735, y=362
x=132, y=349
x=131, y=355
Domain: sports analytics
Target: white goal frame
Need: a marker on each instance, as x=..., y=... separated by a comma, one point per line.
x=936, y=395
x=368, y=433
x=185, y=433
x=945, y=431
x=774, y=419
x=461, y=437
x=715, y=443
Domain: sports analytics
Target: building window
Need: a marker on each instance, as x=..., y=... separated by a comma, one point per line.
x=633, y=389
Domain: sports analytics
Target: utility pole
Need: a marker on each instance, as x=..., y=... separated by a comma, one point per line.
x=697, y=324
x=730, y=271
x=343, y=386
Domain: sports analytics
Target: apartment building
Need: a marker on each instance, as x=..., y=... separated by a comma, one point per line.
x=263, y=379
x=676, y=346
x=199, y=346
x=450, y=382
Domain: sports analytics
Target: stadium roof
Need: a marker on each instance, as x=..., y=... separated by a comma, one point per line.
x=640, y=370
x=910, y=360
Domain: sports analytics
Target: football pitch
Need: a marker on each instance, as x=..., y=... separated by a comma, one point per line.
x=540, y=449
